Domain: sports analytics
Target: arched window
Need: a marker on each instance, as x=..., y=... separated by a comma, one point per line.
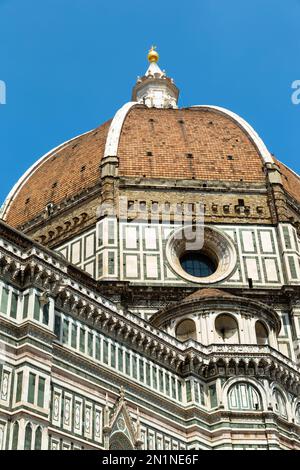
x=186, y=329
x=28, y=437
x=119, y=441
x=280, y=403
x=227, y=329
x=38, y=439
x=15, y=437
x=261, y=331
x=244, y=396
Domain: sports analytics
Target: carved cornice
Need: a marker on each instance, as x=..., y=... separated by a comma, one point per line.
x=77, y=294
x=59, y=209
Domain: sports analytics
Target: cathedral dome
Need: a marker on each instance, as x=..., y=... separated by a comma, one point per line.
x=159, y=252
x=151, y=139
x=198, y=143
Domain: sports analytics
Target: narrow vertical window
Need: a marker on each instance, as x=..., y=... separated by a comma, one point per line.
x=179, y=390
x=134, y=367
x=19, y=386
x=154, y=377
x=15, y=438
x=213, y=396
x=120, y=359
x=127, y=358
x=111, y=262
x=36, y=310
x=14, y=305
x=65, y=335
x=113, y=355
x=202, y=396
x=74, y=336
x=4, y=300
x=196, y=392
x=287, y=240
x=161, y=381
x=111, y=232
x=31, y=387
x=100, y=264
x=38, y=439
x=46, y=314
x=148, y=374
x=28, y=437
x=173, y=387
x=105, y=352
x=57, y=325
x=188, y=391
x=98, y=348
x=141, y=370
x=292, y=267
x=25, y=305
x=100, y=234
x=41, y=392
x=90, y=344
x=82, y=340
x=167, y=380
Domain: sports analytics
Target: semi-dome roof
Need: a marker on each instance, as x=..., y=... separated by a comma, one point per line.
x=151, y=138
x=210, y=298
x=207, y=292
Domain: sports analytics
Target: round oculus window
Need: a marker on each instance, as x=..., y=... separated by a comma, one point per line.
x=197, y=264
x=201, y=254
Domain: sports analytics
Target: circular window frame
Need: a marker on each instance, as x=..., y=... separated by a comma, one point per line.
x=217, y=245
x=201, y=257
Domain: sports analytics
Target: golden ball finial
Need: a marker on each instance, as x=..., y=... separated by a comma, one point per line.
x=153, y=55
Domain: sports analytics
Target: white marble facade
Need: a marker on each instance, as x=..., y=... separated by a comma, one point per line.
x=136, y=252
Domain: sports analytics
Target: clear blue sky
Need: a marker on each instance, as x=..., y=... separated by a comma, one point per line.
x=70, y=64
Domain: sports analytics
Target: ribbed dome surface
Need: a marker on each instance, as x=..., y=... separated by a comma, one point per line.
x=66, y=172
x=290, y=180
x=189, y=143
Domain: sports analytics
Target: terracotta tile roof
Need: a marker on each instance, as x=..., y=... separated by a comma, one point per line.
x=291, y=182
x=207, y=293
x=187, y=143
x=67, y=172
